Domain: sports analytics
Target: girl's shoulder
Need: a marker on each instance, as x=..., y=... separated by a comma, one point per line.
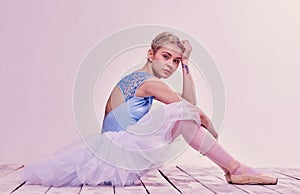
x=160, y=90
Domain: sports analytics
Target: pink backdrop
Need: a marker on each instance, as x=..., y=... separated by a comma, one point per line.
x=254, y=43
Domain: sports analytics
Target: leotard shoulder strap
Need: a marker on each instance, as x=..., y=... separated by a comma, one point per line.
x=130, y=83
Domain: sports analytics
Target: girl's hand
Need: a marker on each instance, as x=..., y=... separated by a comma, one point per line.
x=207, y=124
x=188, y=49
x=212, y=131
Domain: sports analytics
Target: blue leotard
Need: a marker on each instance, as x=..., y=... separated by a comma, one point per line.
x=133, y=108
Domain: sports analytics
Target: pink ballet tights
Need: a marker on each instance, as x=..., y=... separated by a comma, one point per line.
x=201, y=140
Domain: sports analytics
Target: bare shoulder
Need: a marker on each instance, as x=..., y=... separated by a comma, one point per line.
x=155, y=83
x=151, y=84
x=160, y=90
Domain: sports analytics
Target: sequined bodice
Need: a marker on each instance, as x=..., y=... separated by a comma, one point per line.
x=133, y=108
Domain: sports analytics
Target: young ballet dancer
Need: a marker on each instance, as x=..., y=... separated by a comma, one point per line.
x=135, y=139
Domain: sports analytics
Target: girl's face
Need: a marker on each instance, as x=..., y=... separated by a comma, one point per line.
x=166, y=60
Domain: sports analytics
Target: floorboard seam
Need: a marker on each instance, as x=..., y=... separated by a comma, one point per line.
x=144, y=186
x=168, y=180
x=196, y=179
x=18, y=187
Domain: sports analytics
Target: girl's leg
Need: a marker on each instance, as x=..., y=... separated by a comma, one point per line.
x=201, y=140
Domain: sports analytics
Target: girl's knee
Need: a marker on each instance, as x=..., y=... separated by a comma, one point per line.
x=184, y=126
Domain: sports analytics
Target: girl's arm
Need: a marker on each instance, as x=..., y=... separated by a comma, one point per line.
x=160, y=90
x=163, y=93
x=188, y=89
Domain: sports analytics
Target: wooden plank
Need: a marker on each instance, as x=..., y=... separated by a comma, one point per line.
x=157, y=184
x=4, y=172
x=6, y=169
x=11, y=166
x=186, y=179
x=134, y=189
x=97, y=189
x=130, y=190
x=286, y=184
x=10, y=182
x=109, y=189
x=65, y=189
x=212, y=182
x=33, y=189
x=184, y=182
x=291, y=172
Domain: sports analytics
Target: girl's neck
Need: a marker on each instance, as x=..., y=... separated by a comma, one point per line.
x=147, y=68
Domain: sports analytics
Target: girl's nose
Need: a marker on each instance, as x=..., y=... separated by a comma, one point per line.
x=170, y=63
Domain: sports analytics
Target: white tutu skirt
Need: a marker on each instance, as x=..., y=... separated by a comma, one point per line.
x=114, y=158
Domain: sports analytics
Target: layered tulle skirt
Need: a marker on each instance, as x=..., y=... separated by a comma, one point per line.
x=114, y=158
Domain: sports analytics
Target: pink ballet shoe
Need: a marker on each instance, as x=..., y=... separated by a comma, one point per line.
x=227, y=177
x=244, y=177
x=251, y=179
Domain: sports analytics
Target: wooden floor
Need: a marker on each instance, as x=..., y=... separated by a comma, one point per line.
x=177, y=179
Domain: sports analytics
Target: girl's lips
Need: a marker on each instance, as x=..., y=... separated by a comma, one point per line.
x=167, y=71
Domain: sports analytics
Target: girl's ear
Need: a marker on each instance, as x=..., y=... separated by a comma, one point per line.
x=150, y=55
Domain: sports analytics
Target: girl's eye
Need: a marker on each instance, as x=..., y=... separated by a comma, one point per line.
x=166, y=56
x=176, y=61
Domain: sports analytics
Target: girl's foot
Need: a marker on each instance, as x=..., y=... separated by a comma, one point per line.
x=247, y=175
x=243, y=169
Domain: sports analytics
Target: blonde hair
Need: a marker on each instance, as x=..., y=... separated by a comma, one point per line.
x=165, y=38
